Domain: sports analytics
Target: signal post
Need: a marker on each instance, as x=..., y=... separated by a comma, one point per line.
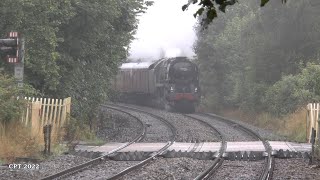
x=13, y=48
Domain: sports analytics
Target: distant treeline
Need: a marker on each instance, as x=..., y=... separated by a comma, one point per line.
x=261, y=59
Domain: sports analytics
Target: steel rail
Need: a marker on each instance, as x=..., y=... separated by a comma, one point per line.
x=98, y=160
x=269, y=161
x=170, y=125
x=217, y=162
x=153, y=155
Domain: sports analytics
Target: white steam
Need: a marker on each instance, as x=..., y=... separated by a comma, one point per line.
x=165, y=30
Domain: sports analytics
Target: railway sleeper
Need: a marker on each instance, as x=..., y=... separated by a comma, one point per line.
x=130, y=156
x=197, y=155
x=232, y=156
x=87, y=154
x=244, y=156
x=291, y=154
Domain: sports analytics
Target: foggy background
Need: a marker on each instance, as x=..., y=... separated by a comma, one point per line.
x=164, y=29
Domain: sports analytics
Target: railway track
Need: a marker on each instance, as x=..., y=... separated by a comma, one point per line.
x=216, y=163
x=173, y=164
x=102, y=158
x=218, y=159
x=269, y=160
x=143, y=135
x=155, y=154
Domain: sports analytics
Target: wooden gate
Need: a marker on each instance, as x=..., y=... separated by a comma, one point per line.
x=43, y=111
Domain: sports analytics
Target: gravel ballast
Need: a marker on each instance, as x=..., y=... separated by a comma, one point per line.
x=243, y=170
x=229, y=132
x=115, y=126
x=266, y=134
x=157, y=131
x=187, y=129
x=295, y=168
x=170, y=168
x=102, y=171
x=48, y=167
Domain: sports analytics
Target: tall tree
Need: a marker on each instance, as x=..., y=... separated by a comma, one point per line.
x=208, y=8
x=95, y=43
x=38, y=21
x=73, y=47
x=256, y=47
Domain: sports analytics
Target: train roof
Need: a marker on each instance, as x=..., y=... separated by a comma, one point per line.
x=136, y=65
x=148, y=64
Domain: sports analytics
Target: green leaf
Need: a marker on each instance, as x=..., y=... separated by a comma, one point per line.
x=223, y=8
x=149, y=3
x=211, y=14
x=264, y=2
x=200, y=11
x=220, y=2
x=184, y=7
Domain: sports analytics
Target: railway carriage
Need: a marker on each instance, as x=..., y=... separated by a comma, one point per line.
x=170, y=83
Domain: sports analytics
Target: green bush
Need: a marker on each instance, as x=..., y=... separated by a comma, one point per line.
x=281, y=98
x=251, y=100
x=292, y=91
x=10, y=107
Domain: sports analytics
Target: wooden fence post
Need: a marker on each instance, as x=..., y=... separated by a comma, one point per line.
x=35, y=117
x=311, y=122
x=63, y=114
x=307, y=122
x=47, y=111
x=43, y=121
x=68, y=107
x=316, y=123
x=59, y=112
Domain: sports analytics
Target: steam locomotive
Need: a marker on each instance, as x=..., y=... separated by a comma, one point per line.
x=169, y=83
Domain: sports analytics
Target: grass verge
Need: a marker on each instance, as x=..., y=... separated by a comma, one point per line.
x=18, y=141
x=77, y=131
x=292, y=126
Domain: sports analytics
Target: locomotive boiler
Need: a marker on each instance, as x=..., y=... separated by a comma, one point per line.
x=169, y=83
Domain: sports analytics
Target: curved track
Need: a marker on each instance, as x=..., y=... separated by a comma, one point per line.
x=100, y=159
x=218, y=159
x=148, y=160
x=269, y=160
x=217, y=162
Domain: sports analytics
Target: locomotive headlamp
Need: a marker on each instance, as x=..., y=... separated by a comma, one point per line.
x=171, y=89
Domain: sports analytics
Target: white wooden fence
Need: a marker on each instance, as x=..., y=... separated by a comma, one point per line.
x=312, y=120
x=43, y=111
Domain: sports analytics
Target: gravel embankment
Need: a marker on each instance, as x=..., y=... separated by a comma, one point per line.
x=243, y=170
x=250, y=169
x=102, y=171
x=229, y=132
x=47, y=167
x=115, y=126
x=157, y=131
x=295, y=169
x=187, y=129
x=266, y=134
x=170, y=168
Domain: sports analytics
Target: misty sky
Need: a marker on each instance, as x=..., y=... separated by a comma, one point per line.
x=165, y=26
